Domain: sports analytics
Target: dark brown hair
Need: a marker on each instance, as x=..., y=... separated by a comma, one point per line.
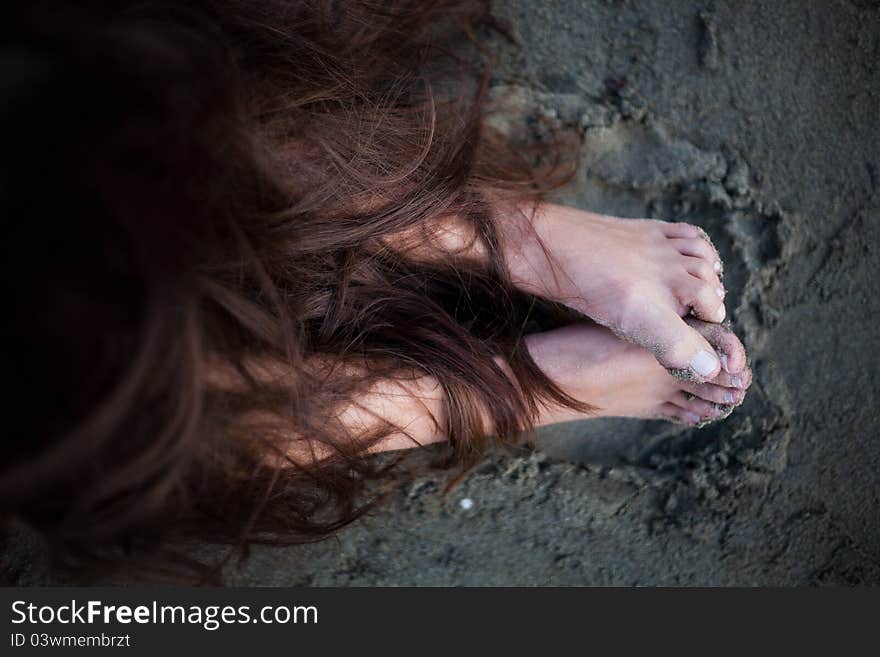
x=208, y=213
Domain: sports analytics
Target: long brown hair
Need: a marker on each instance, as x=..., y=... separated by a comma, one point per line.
x=208, y=216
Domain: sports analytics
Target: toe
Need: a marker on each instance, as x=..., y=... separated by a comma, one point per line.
x=705, y=410
x=706, y=299
x=725, y=344
x=714, y=393
x=705, y=270
x=673, y=413
x=697, y=247
x=741, y=380
x=681, y=230
x=682, y=349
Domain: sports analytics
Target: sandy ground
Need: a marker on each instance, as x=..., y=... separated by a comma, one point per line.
x=759, y=121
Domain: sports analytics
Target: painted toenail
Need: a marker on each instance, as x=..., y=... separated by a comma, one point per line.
x=717, y=266
x=704, y=363
x=728, y=397
x=737, y=382
x=693, y=418
x=720, y=292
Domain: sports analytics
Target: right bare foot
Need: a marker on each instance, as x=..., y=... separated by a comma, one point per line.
x=638, y=277
x=623, y=380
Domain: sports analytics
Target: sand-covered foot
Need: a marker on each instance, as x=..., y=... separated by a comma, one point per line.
x=621, y=379
x=638, y=277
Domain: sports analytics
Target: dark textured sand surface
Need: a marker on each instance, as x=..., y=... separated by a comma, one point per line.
x=759, y=121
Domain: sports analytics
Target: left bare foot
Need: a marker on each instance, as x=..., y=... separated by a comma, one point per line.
x=623, y=380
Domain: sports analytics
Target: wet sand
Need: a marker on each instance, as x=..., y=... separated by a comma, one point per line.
x=759, y=122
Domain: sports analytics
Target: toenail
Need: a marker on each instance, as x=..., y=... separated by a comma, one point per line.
x=693, y=418
x=737, y=382
x=717, y=266
x=704, y=363
x=720, y=292
x=728, y=397
x=724, y=362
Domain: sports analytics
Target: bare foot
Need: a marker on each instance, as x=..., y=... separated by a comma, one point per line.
x=638, y=277
x=623, y=380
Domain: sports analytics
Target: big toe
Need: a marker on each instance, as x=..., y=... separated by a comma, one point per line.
x=725, y=343
x=683, y=349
